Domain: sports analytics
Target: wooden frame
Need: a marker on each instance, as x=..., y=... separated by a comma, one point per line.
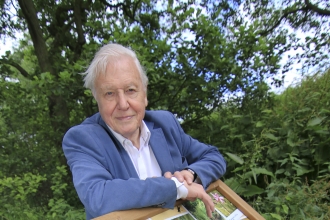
x=221, y=187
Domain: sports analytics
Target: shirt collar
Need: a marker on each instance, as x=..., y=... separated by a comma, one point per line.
x=145, y=134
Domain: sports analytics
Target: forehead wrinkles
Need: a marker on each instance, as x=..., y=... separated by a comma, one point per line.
x=116, y=87
x=120, y=75
x=121, y=62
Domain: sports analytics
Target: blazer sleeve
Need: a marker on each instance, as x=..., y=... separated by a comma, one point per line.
x=101, y=190
x=204, y=159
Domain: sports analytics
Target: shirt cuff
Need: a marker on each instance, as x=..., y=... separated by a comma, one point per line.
x=182, y=191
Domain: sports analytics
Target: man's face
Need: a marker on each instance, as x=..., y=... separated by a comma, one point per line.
x=121, y=97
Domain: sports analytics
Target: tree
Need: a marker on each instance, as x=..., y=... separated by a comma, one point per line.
x=199, y=73
x=306, y=24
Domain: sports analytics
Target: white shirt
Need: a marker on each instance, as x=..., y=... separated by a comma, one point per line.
x=144, y=160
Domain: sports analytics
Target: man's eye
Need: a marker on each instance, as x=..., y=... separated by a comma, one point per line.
x=132, y=93
x=108, y=93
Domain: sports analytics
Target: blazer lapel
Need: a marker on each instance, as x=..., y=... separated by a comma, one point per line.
x=124, y=155
x=159, y=147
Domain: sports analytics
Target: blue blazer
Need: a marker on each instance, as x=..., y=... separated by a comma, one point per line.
x=105, y=178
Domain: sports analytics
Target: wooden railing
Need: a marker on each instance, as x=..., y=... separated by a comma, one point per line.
x=221, y=187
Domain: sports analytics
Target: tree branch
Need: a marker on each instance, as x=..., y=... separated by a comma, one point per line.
x=58, y=112
x=58, y=20
x=284, y=16
x=35, y=31
x=125, y=8
x=17, y=66
x=80, y=32
x=309, y=7
x=58, y=27
x=112, y=6
x=78, y=21
x=135, y=7
x=319, y=11
x=58, y=38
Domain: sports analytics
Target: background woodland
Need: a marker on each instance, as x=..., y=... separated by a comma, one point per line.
x=211, y=63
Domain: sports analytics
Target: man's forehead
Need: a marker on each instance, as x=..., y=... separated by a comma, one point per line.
x=123, y=85
x=122, y=60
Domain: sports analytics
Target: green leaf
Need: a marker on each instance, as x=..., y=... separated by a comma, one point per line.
x=290, y=142
x=302, y=212
x=64, y=75
x=279, y=171
x=301, y=170
x=235, y=158
x=262, y=171
x=270, y=136
x=259, y=124
x=284, y=161
x=276, y=216
x=267, y=111
x=304, y=109
x=224, y=127
x=252, y=190
x=322, y=131
x=314, y=121
x=285, y=209
x=235, y=185
x=254, y=176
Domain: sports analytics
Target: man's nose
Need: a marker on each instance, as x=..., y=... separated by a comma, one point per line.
x=122, y=102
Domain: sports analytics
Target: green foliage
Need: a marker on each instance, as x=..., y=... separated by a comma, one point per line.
x=58, y=205
x=282, y=155
x=278, y=149
x=18, y=195
x=292, y=201
x=306, y=29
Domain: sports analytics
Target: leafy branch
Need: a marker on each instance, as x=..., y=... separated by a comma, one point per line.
x=309, y=7
x=17, y=66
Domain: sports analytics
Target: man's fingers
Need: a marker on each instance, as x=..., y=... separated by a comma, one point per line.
x=197, y=191
x=189, y=177
x=209, y=212
x=168, y=175
x=210, y=209
x=209, y=205
x=179, y=176
x=192, y=199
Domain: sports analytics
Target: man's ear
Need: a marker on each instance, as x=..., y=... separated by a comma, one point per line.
x=146, y=97
x=146, y=101
x=94, y=94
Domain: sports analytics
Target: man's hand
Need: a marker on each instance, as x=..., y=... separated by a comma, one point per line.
x=182, y=175
x=196, y=191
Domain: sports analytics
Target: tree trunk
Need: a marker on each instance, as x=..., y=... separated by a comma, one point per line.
x=58, y=111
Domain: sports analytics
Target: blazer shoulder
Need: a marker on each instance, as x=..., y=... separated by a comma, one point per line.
x=161, y=119
x=158, y=115
x=94, y=119
x=92, y=123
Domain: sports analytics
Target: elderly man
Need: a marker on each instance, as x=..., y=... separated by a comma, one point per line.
x=125, y=157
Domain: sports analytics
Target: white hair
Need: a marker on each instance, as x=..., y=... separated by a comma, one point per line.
x=110, y=53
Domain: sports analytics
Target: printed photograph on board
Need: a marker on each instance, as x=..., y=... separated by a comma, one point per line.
x=224, y=210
